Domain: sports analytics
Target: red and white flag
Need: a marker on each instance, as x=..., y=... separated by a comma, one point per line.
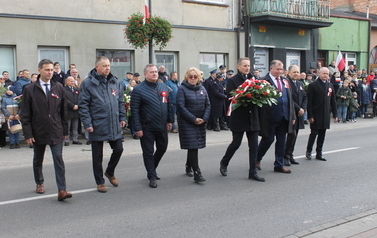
x=146, y=10
x=340, y=62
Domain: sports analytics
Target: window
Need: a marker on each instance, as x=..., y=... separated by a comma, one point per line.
x=351, y=59
x=120, y=61
x=55, y=54
x=7, y=62
x=293, y=58
x=209, y=62
x=168, y=60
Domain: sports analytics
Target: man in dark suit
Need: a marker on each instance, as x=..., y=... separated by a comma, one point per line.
x=242, y=119
x=300, y=102
x=277, y=120
x=321, y=102
x=218, y=110
x=73, y=115
x=44, y=109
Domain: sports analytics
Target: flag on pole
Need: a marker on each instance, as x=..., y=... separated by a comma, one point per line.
x=340, y=62
x=146, y=10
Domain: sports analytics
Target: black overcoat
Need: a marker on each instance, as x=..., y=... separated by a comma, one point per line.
x=300, y=100
x=321, y=102
x=217, y=97
x=242, y=118
x=72, y=100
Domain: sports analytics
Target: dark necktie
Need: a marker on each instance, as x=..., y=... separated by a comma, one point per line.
x=71, y=89
x=47, y=91
x=279, y=84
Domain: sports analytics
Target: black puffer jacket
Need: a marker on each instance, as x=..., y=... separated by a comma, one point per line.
x=149, y=110
x=192, y=103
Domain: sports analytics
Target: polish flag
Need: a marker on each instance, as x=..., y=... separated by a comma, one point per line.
x=146, y=9
x=340, y=62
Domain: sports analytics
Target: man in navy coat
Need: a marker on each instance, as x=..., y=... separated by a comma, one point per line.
x=276, y=120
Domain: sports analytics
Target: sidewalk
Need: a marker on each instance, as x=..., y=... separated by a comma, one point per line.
x=360, y=225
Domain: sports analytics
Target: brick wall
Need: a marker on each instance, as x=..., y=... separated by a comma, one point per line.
x=355, y=5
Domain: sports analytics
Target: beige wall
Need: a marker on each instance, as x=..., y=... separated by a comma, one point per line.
x=176, y=11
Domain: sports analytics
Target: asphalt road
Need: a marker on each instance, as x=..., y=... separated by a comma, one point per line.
x=315, y=193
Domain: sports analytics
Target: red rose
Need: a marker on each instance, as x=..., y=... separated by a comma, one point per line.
x=258, y=87
x=244, y=85
x=249, y=95
x=265, y=93
x=234, y=101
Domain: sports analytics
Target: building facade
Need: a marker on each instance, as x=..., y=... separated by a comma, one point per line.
x=70, y=31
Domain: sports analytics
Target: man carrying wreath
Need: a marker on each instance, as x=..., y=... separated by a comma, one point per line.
x=242, y=119
x=278, y=119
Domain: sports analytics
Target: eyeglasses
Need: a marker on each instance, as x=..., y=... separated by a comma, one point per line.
x=193, y=76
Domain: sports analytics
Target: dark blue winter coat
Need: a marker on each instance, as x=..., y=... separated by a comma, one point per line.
x=101, y=106
x=365, y=96
x=192, y=103
x=149, y=109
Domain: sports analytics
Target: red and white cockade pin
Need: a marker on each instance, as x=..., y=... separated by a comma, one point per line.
x=54, y=95
x=164, y=98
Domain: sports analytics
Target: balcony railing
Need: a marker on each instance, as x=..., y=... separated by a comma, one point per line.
x=302, y=9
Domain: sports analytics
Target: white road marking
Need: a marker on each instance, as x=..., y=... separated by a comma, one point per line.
x=44, y=196
x=94, y=189
x=330, y=152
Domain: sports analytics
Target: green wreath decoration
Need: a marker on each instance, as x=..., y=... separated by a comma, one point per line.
x=138, y=33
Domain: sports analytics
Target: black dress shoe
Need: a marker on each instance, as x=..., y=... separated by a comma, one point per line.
x=286, y=162
x=223, y=170
x=76, y=143
x=198, y=178
x=293, y=161
x=189, y=172
x=308, y=155
x=158, y=177
x=153, y=183
x=256, y=177
x=320, y=157
x=66, y=143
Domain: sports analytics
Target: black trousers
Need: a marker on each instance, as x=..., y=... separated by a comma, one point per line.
x=290, y=144
x=97, y=158
x=320, y=140
x=192, y=159
x=57, y=157
x=151, y=157
x=252, y=138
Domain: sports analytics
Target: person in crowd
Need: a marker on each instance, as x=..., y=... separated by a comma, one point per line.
x=101, y=107
x=354, y=107
x=152, y=117
x=229, y=74
x=33, y=77
x=256, y=74
x=193, y=108
x=278, y=120
x=10, y=109
x=336, y=81
x=75, y=74
x=242, y=120
x=59, y=75
x=163, y=76
x=300, y=102
x=136, y=77
x=321, y=102
x=71, y=66
x=124, y=83
x=21, y=82
x=72, y=94
x=43, y=118
x=364, y=73
x=173, y=85
x=374, y=102
x=128, y=93
x=365, y=97
x=332, y=68
x=217, y=97
x=343, y=97
x=351, y=69
x=8, y=81
x=19, y=75
x=208, y=85
x=3, y=125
